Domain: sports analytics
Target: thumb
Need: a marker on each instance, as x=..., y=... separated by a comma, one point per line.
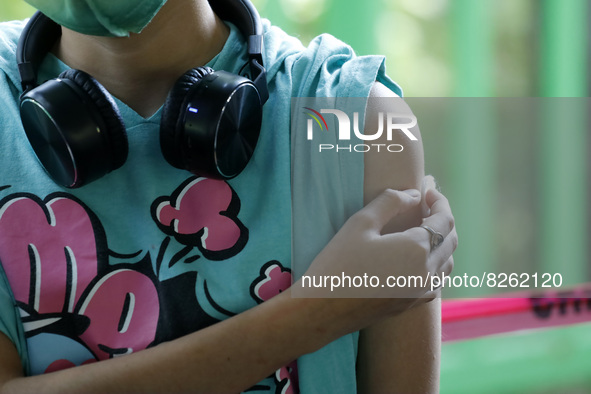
x=389, y=204
x=432, y=196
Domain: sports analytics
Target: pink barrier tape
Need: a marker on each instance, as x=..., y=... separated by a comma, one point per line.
x=471, y=318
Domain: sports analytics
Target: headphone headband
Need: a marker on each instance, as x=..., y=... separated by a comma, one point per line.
x=240, y=12
x=32, y=46
x=210, y=122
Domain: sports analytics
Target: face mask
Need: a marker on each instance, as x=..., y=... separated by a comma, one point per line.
x=113, y=18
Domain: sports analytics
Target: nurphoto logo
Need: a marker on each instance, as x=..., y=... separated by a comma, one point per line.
x=389, y=123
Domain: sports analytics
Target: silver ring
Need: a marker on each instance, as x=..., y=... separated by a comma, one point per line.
x=436, y=237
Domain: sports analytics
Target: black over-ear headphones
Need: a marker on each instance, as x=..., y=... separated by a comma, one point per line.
x=210, y=122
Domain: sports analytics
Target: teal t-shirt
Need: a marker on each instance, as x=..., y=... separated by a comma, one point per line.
x=149, y=252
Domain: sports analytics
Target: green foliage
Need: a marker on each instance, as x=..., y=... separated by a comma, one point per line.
x=15, y=9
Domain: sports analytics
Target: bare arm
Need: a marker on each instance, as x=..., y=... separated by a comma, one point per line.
x=235, y=354
x=401, y=353
x=227, y=357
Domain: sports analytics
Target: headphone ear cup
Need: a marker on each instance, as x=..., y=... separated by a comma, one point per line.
x=75, y=128
x=116, y=135
x=211, y=123
x=170, y=122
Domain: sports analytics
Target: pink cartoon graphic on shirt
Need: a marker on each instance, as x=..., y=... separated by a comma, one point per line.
x=78, y=307
x=203, y=213
x=273, y=279
x=286, y=379
x=81, y=302
x=54, y=256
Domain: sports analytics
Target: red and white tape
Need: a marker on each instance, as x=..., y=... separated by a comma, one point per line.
x=472, y=318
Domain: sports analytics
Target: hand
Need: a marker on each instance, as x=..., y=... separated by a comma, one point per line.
x=360, y=251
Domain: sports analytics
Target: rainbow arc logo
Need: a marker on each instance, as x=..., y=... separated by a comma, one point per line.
x=348, y=128
x=317, y=117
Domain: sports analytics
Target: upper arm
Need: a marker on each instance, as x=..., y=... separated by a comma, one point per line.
x=401, y=353
x=393, y=169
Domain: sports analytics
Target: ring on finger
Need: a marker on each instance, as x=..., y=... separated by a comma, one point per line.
x=436, y=237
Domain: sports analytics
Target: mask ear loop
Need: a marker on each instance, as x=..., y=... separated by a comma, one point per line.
x=38, y=37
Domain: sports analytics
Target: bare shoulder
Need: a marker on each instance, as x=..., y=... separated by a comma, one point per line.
x=380, y=90
x=396, y=161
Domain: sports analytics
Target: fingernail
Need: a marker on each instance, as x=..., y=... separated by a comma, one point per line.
x=413, y=193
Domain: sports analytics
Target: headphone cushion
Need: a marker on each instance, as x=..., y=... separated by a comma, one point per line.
x=108, y=111
x=171, y=112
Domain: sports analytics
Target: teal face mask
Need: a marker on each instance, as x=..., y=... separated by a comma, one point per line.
x=112, y=18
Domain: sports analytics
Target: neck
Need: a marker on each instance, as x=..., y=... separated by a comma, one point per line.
x=141, y=69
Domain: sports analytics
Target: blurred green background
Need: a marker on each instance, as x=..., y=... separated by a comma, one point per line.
x=519, y=198
x=441, y=48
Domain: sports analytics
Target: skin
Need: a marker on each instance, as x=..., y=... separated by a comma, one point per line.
x=141, y=69
x=399, y=349
x=401, y=353
x=277, y=331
